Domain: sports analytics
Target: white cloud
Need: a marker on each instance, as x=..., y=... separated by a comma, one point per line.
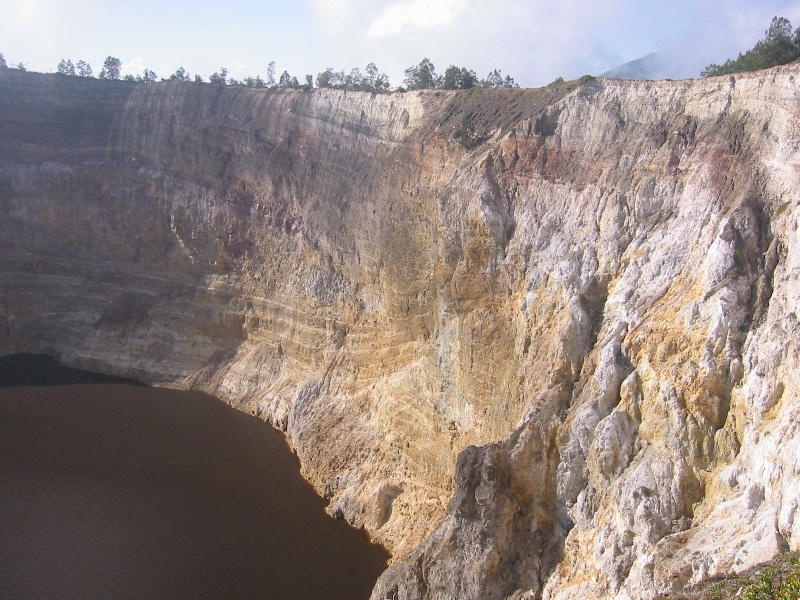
x=417, y=13
x=134, y=66
x=25, y=12
x=236, y=69
x=332, y=14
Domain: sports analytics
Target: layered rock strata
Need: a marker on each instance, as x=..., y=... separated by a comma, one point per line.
x=540, y=343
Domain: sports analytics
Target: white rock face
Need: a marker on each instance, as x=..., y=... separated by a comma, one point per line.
x=673, y=448
x=541, y=343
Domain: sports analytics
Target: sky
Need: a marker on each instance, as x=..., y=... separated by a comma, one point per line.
x=535, y=41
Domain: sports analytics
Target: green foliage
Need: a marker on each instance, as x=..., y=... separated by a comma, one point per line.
x=111, y=68
x=465, y=134
x=65, y=67
x=370, y=81
x=83, y=69
x=459, y=78
x=220, y=77
x=354, y=79
x=147, y=76
x=495, y=79
x=474, y=91
x=375, y=81
x=422, y=76
x=179, y=75
x=772, y=586
x=778, y=47
x=254, y=82
x=791, y=586
x=286, y=80
x=326, y=78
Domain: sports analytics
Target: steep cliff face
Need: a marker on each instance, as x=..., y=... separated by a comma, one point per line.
x=538, y=343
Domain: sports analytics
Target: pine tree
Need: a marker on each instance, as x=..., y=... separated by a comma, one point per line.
x=220, y=77
x=111, y=68
x=65, y=67
x=354, y=80
x=495, y=79
x=459, y=78
x=375, y=80
x=778, y=47
x=83, y=68
x=148, y=76
x=327, y=79
x=179, y=75
x=422, y=76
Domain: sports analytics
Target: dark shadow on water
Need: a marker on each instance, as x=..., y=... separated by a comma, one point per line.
x=117, y=492
x=40, y=369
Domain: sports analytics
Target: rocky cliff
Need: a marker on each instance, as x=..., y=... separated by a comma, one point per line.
x=540, y=343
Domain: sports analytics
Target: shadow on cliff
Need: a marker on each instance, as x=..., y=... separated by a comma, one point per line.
x=40, y=369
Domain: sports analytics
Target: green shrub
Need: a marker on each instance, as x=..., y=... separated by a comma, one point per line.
x=772, y=586
x=778, y=47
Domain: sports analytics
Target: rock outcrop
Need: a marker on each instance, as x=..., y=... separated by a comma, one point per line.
x=540, y=343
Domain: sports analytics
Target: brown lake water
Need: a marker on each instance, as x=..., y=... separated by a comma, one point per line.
x=112, y=491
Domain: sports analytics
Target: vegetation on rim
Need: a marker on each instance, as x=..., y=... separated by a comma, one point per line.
x=422, y=76
x=778, y=47
x=778, y=579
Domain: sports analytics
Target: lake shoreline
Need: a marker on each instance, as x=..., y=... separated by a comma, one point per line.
x=121, y=491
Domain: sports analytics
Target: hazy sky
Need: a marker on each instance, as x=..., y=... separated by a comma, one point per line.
x=533, y=40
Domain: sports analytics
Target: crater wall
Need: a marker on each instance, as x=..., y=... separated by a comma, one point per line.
x=539, y=343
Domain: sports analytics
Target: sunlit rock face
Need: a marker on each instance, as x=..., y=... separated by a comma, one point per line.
x=540, y=343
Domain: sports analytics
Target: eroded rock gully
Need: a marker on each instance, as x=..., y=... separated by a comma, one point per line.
x=537, y=342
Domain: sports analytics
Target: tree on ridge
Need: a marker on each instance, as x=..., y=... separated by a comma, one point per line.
x=111, y=68
x=220, y=77
x=422, y=76
x=180, y=74
x=778, y=47
x=65, y=67
x=83, y=69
